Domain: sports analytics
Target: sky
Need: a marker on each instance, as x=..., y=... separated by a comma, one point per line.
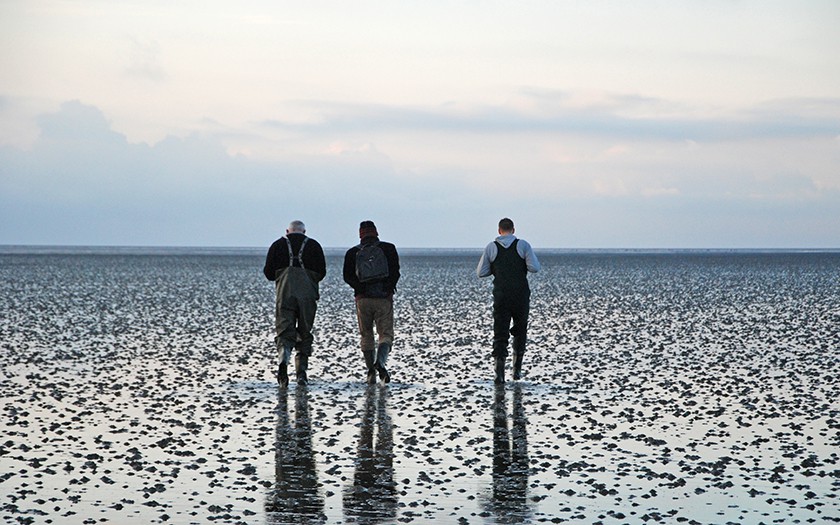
x=592, y=124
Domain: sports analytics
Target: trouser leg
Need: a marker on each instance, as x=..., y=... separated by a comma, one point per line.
x=383, y=318
x=384, y=321
x=365, y=316
x=519, y=331
x=285, y=322
x=305, y=321
x=501, y=336
x=285, y=338
x=501, y=327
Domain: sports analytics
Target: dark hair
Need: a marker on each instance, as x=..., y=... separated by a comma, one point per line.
x=367, y=229
x=506, y=225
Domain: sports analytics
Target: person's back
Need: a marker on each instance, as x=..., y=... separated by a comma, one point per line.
x=296, y=264
x=284, y=252
x=373, y=288
x=383, y=287
x=296, y=280
x=510, y=273
x=509, y=260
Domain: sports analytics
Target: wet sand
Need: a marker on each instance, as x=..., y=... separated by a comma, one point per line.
x=658, y=389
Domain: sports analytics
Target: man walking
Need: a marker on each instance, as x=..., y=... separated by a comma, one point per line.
x=372, y=269
x=296, y=264
x=509, y=260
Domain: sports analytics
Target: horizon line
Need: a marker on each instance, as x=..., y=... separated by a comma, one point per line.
x=413, y=250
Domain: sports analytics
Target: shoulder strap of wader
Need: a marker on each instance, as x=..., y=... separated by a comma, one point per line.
x=299, y=256
x=500, y=247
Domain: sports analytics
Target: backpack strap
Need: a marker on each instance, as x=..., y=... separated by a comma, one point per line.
x=299, y=256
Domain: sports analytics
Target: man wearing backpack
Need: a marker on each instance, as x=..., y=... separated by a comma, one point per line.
x=372, y=269
x=509, y=260
x=296, y=264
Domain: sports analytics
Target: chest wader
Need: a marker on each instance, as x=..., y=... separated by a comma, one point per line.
x=295, y=306
x=511, y=298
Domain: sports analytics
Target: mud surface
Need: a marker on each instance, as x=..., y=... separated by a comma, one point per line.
x=670, y=388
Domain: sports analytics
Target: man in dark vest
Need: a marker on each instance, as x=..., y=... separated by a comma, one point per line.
x=509, y=260
x=296, y=264
x=372, y=269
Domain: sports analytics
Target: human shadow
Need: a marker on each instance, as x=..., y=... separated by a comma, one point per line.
x=372, y=498
x=295, y=497
x=509, y=502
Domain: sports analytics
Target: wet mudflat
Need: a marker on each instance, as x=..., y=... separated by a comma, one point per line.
x=659, y=388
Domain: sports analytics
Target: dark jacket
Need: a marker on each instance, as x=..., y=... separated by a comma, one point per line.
x=312, y=257
x=389, y=283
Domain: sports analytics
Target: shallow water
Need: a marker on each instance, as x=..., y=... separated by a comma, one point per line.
x=681, y=387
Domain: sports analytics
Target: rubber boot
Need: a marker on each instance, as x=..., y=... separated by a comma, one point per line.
x=381, y=359
x=517, y=365
x=282, y=372
x=370, y=362
x=301, y=364
x=500, y=371
x=518, y=353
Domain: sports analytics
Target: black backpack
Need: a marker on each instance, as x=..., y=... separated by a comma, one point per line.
x=371, y=263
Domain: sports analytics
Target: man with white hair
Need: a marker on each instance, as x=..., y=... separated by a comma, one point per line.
x=296, y=264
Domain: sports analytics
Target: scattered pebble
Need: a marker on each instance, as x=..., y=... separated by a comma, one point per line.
x=659, y=388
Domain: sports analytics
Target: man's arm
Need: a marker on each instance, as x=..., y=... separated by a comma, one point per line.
x=318, y=263
x=490, y=252
x=350, y=270
x=270, y=268
x=530, y=257
x=393, y=266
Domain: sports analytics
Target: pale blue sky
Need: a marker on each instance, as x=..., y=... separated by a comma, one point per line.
x=684, y=124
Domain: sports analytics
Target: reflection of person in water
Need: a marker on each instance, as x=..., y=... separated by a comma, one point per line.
x=295, y=498
x=373, y=496
x=510, y=463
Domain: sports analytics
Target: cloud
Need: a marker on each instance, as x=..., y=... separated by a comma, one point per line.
x=77, y=123
x=605, y=117
x=659, y=191
x=144, y=61
x=82, y=182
